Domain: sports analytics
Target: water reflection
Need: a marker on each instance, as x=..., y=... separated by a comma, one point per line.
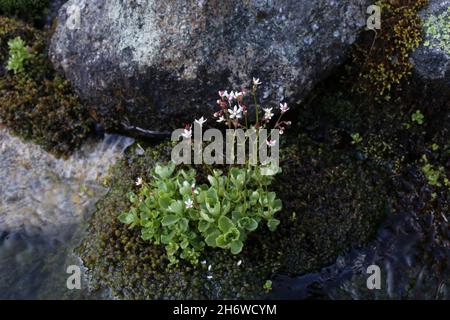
x=43, y=200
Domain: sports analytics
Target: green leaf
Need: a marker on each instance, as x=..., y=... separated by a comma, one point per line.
x=215, y=211
x=211, y=239
x=126, y=218
x=176, y=207
x=211, y=196
x=145, y=217
x=184, y=224
x=225, y=224
x=169, y=220
x=273, y=224
x=213, y=181
x=184, y=244
x=206, y=217
x=271, y=197
x=236, y=247
x=221, y=242
x=248, y=223
x=147, y=234
x=232, y=235
x=186, y=189
x=277, y=205
x=164, y=172
x=133, y=197
x=235, y=172
x=164, y=202
x=167, y=239
x=160, y=171
x=203, y=225
x=254, y=197
x=270, y=170
x=226, y=206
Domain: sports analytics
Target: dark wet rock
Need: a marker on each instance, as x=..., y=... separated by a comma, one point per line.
x=432, y=58
x=155, y=64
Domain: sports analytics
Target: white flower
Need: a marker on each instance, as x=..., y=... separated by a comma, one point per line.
x=209, y=267
x=239, y=263
x=200, y=121
x=284, y=107
x=231, y=95
x=256, y=82
x=221, y=119
x=139, y=181
x=187, y=134
x=189, y=203
x=194, y=190
x=271, y=143
x=268, y=113
x=281, y=130
x=222, y=94
x=209, y=277
x=235, y=112
x=203, y=262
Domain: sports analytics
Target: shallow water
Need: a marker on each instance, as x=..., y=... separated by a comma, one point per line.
x=43, y=202
x=413, y=264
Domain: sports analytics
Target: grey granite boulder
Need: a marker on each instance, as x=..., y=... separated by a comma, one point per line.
x=432, y=58
x=155, y=64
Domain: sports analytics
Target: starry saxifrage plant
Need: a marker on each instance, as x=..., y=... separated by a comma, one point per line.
x=185, y=217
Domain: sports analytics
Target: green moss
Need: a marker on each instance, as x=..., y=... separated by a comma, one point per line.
x=29, y=10
x=437, y=30
x=37, y=104
x=381, y=59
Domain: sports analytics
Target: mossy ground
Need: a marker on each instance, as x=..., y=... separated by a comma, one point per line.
x=38, y=104
x=332, y=201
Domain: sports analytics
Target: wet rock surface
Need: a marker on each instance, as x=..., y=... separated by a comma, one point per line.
x=153, y=64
